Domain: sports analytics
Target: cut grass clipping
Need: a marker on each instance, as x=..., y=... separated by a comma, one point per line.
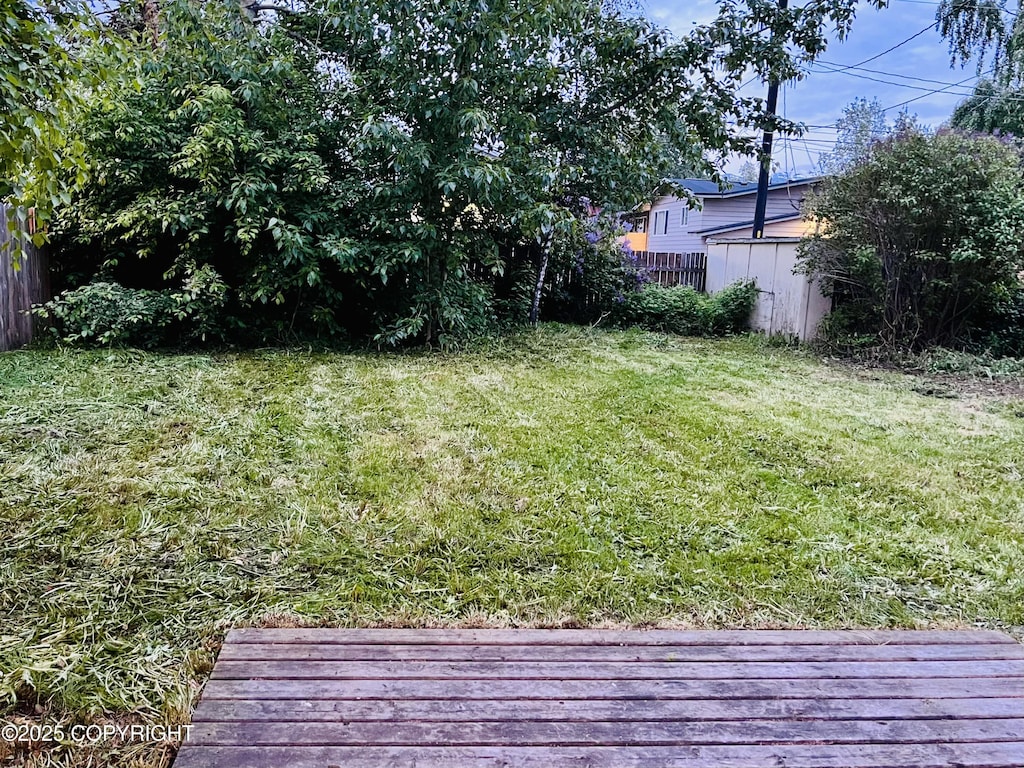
x=147, y=502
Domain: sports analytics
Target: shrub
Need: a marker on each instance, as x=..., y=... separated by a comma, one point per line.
x=984, y=366
x=920, y=241
x=684, y=311
x=384, y=170
x=1001, y=331
x=108, y=313
x=589, y=274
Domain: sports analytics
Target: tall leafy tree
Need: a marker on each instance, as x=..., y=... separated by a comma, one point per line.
x=33, y=94
x=385, y=168
x=991, y=34
x=749, y=172
x=862, y=124
x=219, y=162
x=984, y=31
x=992, y=108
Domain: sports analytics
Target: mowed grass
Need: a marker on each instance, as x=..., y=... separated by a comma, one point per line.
x=560, y=478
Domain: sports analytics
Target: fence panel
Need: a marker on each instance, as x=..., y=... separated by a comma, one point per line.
x=19, y=289
x=675, y=268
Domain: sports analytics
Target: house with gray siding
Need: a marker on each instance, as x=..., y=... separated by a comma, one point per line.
x=669, y=225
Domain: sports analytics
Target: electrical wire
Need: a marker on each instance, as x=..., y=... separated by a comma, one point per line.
x=893, y=48
x=890, y=82
x=935, y=4
x=938, y=90
x=832, y=68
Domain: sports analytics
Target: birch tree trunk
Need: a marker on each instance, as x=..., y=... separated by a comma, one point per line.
x=545, y=257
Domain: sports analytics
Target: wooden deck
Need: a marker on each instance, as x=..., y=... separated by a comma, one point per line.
x=316, y=698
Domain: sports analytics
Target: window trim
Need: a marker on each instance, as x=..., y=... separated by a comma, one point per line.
x=660, y=223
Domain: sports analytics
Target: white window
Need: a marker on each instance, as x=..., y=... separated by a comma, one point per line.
x=684, y=219
x=660, y=223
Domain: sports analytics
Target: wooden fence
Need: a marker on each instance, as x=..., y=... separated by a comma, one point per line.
x=19, y=288
x=675, y=268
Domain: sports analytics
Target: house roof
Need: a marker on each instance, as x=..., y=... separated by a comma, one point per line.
x=707, y=188
x=747, y=224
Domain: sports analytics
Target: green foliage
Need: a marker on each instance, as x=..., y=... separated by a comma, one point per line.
x=861, y=125
x=984, y=366
x=991, y=34
x=31, y=89
x=111, y=314
x=108, y=313
x=41, y=79
x=730, y=308
x=385, y=170
x=991, y=108
x=684, y=311
x=984, y=30
x=920, y=241
x=1000, y=331
x=590, y=272
x=218, y=159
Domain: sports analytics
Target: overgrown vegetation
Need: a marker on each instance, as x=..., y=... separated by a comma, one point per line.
x=992, y=35
x=400, y=173
x=686, y=312
x=564, y=477
x=36, y=50
x=920, y=244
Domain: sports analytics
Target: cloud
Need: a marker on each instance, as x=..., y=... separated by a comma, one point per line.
x=819, y=99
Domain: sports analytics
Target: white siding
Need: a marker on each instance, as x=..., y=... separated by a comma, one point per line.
x=718, y=212
x=791, y=228
x=680, y=237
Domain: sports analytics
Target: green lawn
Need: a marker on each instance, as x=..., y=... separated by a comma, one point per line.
x=567, y=477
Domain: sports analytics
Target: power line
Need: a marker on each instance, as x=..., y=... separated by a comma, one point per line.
x=931, y=26
x=890, y=50
x=889, y=82
x=807, y=151
x=932, y=93
x=935, y=4
x=881, y=72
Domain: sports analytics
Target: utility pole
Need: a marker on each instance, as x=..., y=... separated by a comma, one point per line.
x=766, y=155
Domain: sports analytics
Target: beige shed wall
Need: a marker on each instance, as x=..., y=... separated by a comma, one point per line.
x=788, y=304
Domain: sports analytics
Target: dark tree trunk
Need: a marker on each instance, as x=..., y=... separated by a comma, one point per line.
x=151, y=18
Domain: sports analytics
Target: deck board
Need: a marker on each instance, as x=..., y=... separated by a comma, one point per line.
x=610, y=699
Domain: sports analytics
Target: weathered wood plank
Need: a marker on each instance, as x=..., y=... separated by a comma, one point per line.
x=534, y=733
x=623, y=653
x=541, y=637
x=918, y=688
x=497, y=710
x=19, y=288
x=619, y=699
x=999, y=755
x=543, y=670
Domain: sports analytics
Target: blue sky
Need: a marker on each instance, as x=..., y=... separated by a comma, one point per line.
x=818, y=100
